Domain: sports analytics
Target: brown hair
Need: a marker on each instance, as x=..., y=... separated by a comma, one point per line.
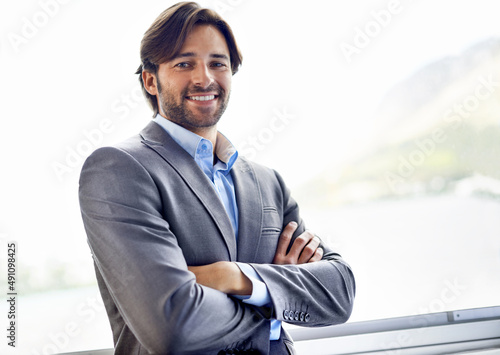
x=165, y=38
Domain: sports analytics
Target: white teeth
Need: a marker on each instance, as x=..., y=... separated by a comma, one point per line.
x=202, y=98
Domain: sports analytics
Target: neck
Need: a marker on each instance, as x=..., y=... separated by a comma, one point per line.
x=209, y=133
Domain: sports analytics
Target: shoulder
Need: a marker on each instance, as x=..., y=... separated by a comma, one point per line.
x=263, y=174
x=136, y=148
x=123, y=151
x=117, y=161
x=243, y=164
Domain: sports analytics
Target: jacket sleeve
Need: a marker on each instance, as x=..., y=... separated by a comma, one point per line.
x=143, y=266
x=313, y=294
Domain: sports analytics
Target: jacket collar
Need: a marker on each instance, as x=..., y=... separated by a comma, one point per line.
x=158, y=140
x=247, y=190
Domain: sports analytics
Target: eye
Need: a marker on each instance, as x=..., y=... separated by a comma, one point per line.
x=219, y=65
x=182, y=65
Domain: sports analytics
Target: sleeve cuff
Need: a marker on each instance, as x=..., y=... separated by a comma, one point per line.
x=260, y=294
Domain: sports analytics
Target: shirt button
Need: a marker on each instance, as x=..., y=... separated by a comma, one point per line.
x=204, y=146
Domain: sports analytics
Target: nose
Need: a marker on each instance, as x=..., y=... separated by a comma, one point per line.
x=201, y=76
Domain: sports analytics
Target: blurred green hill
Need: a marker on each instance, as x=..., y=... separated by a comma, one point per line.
x=438, y=132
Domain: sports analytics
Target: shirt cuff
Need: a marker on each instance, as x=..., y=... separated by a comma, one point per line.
x=260, y=294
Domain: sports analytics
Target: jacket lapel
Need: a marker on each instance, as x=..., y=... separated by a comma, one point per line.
x=157, y=139
x=250, y=212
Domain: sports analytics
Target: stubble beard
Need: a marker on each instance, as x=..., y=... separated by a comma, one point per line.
x=180, y=114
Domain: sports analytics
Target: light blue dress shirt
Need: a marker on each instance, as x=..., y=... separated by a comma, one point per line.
x=201, y=150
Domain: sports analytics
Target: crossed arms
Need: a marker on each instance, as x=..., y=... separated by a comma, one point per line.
x=227, y=277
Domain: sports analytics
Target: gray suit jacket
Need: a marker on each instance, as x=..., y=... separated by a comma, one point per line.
x=149, y=212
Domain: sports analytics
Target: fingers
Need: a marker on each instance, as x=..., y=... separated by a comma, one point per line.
x=284, y=242
x=318, y=255
x=299, y=244
x=305, y=247
x=309, y=250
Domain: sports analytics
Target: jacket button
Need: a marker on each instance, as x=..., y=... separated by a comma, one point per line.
x=285, y=314
x=302, y=316
x=296, y=315
x=307, y=317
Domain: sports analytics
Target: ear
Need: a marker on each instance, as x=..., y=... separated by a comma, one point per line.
x=149, y=80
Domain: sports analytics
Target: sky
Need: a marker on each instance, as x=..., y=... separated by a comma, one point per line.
x=313, y=74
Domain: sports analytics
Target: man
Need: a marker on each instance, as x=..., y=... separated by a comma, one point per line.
x=197, y=250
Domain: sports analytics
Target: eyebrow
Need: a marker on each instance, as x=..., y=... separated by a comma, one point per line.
x=193, y=54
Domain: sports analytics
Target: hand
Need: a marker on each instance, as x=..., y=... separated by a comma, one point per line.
x=305, y=248
x=224, y=276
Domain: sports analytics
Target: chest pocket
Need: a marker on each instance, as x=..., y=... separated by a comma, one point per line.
x=270, y=233
x=271, y=223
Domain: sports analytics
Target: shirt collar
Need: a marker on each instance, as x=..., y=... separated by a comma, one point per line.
x=197, y=146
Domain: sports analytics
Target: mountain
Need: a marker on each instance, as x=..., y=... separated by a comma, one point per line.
x=439, y=130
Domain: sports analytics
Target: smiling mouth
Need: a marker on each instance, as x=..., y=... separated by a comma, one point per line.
x=202, y=98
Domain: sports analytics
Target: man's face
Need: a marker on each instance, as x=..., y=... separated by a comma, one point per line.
x=193, y=88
